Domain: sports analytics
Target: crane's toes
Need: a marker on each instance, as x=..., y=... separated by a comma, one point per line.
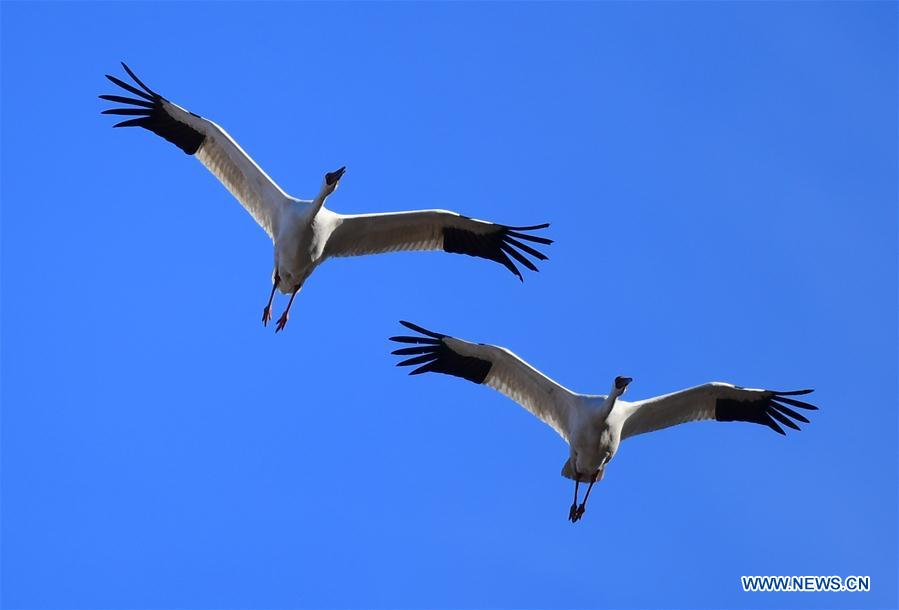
x=282, y=322
x=572, y=512
x=580, y=512
x=266, y=316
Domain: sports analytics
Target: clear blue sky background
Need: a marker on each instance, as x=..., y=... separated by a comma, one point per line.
x=721, y=179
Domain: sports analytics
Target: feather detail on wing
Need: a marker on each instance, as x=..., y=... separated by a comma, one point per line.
x=356, y=235
x=494, y=366
x=212, y=146
x=718, y=401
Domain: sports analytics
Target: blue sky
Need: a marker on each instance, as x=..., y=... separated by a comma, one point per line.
x=721, y=183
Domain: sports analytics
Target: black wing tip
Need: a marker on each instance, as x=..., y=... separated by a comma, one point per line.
x=767, y=411
x=153, y=115
x=415, y=340
x=795, y=403
x=419, y=359
x=785, y=410
x=517, y=233
x=775, y=410
x=512, y=244
x=500, y=243
x=150, y=97
x=138, y=81
x=147, y=93
x=435, y=356
x=138, y=122
x=794, y=392
x=129, y=111
x=419, y=329
x=782, y=418
x=545, y=225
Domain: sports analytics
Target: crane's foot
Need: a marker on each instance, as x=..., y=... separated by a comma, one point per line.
x=580, y=512
x=282, y=322
x=572, y=512
x=266, y=315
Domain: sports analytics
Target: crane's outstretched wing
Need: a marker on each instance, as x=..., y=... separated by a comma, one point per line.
x=355, y=235
x=718, y=401
x=200, y=137
x=494, y=366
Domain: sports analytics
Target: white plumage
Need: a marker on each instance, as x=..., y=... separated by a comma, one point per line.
x=593, y=425
x=304, y=232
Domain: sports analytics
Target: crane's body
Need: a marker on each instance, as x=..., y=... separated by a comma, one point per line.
x=304, y=232
x=593, y=425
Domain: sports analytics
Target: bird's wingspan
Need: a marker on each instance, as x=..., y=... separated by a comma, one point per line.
x=356, y=235
x=202, y=138
x=718, y=401
x=494, y=366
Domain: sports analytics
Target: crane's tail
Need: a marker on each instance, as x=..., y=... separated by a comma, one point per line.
x=569, y=473
x=568, y=470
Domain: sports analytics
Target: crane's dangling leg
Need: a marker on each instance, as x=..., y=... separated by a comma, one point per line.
x=267, y=312
x=596, y=476
x=573, y=511
x=583, y=507
x=282, y=321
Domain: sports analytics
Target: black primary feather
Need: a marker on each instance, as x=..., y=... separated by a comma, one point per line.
x=498, y=245
x=437, y=357
x=766, y=411
x=153, y=114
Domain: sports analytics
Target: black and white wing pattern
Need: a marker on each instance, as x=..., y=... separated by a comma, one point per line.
x=208, y=142
x=356, y=235
x=718, y=401
x=494, y=366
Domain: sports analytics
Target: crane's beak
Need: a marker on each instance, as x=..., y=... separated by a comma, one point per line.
x=332, y=178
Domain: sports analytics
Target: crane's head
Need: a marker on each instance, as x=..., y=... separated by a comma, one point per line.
x=332, y=179
x=620, y=385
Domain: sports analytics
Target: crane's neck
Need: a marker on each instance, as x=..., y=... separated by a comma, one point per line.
x=319, y=201
x=609, y=403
